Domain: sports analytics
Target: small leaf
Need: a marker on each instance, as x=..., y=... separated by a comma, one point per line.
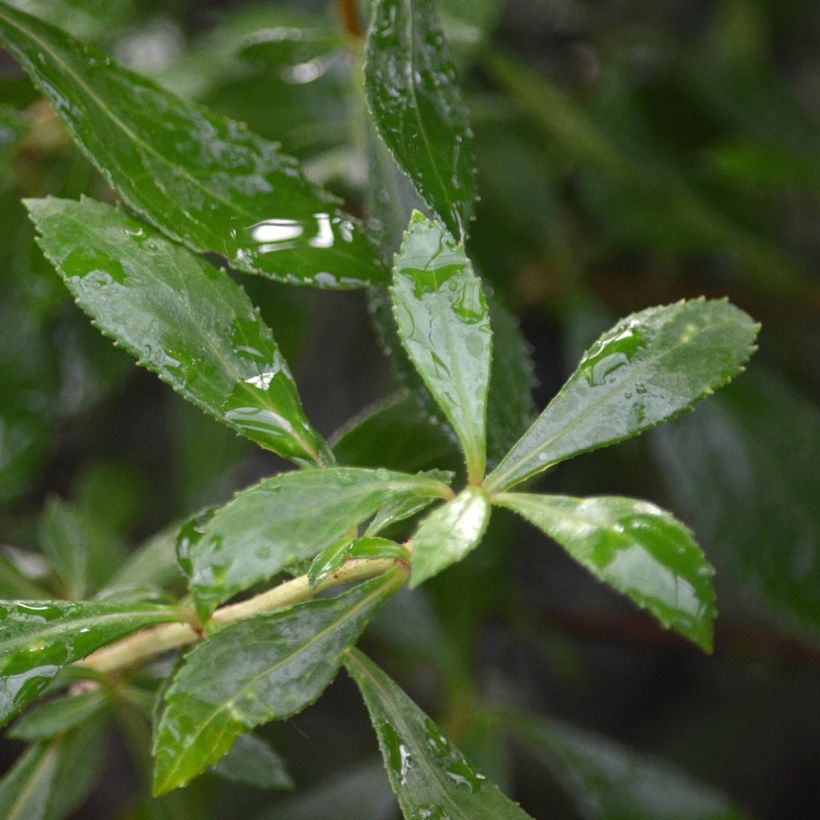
x=397, y=511
x=449, y=533
x=444, y=325
x=609, y=781
x=265, y=668
x=153, y=563
x=58, y=716
x=252, y=762
x=348, y=549
x=63, y=541
x=635, y=547
x=413, y=95
x=396, y=434
x=15, y=585
x=202, y=179
x=289, y=518
x=649, y=368
x=38, y=638
x=429, y=775
x=181, y=318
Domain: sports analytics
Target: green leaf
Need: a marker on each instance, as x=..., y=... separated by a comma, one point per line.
x=636, y=548
x=152, y=563
x=265, y=668
x=181, y=318
x=413, y=96
x=253, y=762
x=395, y=434
x=608, y=781
x=38, y=638
x=649, y=368
x=396, y=511
x=284, y=47
x=203, y=180
x=58, y=716
x=289, y=518
x=348, y=549
x=51, y=779
x=444, y=325
x=510, y=406
x=63, y=541
x=14, y=585
x=743, y=471
x=429, y=775
x=449, y=533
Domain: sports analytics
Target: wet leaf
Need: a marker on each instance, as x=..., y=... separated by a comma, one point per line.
x=417, y=108
x=202, y=179
x=38, y=638
x=449, y=533
x=289, y=518
x=429, y=775
x=444, y=325
x=636, y=548
x=253, y=762
x=58, y=716
x=265, y=668
x=608, y=781
x=181, y=318
x=369, y=547
x=649, y=368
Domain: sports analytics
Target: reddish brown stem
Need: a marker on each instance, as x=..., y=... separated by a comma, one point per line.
x=349, y=12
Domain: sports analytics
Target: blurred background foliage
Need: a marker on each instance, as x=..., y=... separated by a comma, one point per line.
x=629, y=154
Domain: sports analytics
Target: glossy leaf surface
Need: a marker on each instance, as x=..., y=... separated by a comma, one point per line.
x=181, y=318
x=636, y=548
x=742, y=469
x=289, y=518
x=253, y=762
x=449, y=533
x=608, y=781
x=37, y=638
x=369, y=547
x=58, y=716
x=649, y=368
x=444, y=325
x=204, y=180
x=429, y=775
x=417, y=108
x=265, y=668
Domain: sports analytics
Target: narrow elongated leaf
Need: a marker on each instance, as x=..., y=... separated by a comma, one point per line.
x=449, y=533
x=253, y=762
x=444, y=325
x=743, y=471
x=649, y=368
x=37, y=638
x=204, y=180
x=153, y=563
x=334, y=557
x=608, y=781
x=429, y=775
x=182, y=318
x=265, y=668
x=289, y=518
x=510, y=407
x=635, y=547
x=52, y=778
x=413, y=95
x=58, y=716
x=63, y=541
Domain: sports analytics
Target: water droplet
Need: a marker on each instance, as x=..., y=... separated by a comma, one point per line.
x=611, y=353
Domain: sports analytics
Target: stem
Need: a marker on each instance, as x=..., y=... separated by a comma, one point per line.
x=158, y=639
x=349, y=12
